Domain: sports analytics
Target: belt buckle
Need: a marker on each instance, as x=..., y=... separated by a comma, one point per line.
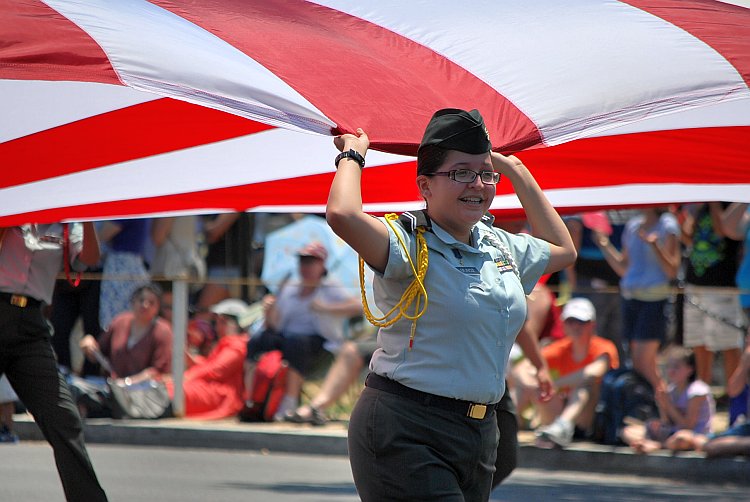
x=19, y=301
x=477, y=411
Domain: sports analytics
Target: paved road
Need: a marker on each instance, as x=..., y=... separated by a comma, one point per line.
x=132, y=474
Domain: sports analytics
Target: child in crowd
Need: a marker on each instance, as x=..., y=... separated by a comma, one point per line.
x=736, y=439
x=686, y=409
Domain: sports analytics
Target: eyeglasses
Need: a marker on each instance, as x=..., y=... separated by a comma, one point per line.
x=468, y=176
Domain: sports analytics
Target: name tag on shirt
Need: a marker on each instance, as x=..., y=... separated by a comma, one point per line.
x=469, y=270
x=503, y=265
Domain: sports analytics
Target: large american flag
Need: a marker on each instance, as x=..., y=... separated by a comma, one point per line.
x=113, y=108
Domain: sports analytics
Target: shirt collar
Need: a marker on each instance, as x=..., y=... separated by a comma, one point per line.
x=448, y=239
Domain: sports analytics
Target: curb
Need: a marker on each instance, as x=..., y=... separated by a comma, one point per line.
x=176, y=433
x=683, y=466
x=331, y=440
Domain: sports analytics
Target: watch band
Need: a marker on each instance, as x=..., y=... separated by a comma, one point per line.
x=351, y=154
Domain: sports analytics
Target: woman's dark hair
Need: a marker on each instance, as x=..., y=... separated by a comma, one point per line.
x=152, y=287
x=430, y=158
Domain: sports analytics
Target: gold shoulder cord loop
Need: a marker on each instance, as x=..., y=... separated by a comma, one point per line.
x=412, y=294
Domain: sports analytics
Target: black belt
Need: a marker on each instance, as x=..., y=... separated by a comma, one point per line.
x=19, y=300
x=467, y=408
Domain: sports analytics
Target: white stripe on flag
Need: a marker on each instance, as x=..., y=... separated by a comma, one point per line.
x=559, y=62
x=728, y=113
x=31, y=106
x=155, y=50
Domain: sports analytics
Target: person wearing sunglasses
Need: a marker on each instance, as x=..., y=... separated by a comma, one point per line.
x=453, y=288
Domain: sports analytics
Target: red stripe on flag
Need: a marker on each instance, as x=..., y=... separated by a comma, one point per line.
x=304, y=190
x=40, y=44
x=134, y=132
x=321, y=53
x=724, y=27
x=648, y=157
x=643, y=158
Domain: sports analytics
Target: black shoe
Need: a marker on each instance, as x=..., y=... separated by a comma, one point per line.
x=316, y=417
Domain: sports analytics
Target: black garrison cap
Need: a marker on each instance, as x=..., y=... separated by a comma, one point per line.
x=454, y=129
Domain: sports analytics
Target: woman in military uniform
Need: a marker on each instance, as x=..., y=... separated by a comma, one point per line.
x=454, y=289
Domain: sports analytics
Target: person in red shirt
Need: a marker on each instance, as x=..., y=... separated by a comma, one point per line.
x=213, y=385
x=576, y=364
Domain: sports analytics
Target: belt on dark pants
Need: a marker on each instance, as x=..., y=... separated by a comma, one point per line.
x=19, y=300
x=466, y=408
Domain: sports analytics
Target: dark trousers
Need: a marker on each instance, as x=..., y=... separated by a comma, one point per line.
x=507, y=446
x=403, y=450
x=299, y=351
x=68, y=304
x=27, y=358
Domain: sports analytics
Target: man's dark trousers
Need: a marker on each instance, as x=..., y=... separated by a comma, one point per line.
x=27, y=358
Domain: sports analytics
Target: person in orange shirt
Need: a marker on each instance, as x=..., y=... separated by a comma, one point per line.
x=576, y=364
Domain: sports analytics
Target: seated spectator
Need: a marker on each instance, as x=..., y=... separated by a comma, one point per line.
x=213, y=385
x=346, y=368
x=576, y=364
x=136, y=347
x=295, y=322
x=686, y=409
x=201, y=337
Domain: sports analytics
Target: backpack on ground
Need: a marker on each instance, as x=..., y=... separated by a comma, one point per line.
x=269, y=387
x=624, y=393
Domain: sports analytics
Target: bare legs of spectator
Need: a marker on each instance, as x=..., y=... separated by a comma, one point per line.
x=576, y=408
x=728, y=446
x=343, y=373
x=704, y=361
x=643, y=354
x=289, y=403
x=635, y=435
